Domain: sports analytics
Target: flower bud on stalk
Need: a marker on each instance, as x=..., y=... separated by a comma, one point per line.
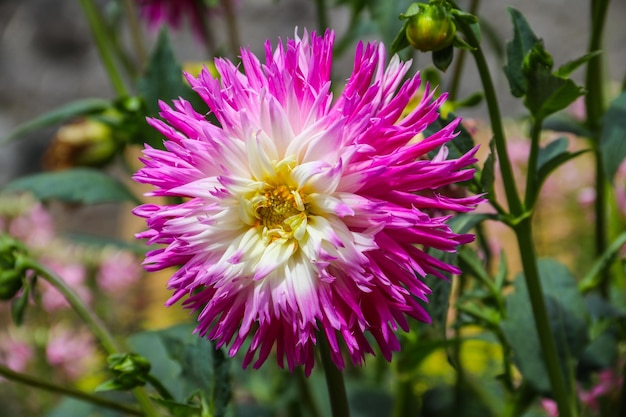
x=11, y=273
x=432, y=28
x=86, y=142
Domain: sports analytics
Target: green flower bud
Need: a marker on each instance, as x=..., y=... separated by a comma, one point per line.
x=128, y=363
x=85, y=142
x=432, y=28
x=11, y=269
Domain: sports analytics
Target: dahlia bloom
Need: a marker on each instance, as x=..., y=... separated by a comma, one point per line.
x=302, y=216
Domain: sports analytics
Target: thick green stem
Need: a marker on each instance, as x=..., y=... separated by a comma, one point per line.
x=322, y=15
x=523, y=232
x=512, y=196
x=334, y=381
x=70, y=392
x=103, y=43
x=405, y=404
x=532, y=186
x=594, y=102
x=92, y=321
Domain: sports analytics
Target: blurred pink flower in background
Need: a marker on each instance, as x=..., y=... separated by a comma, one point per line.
x=70, y=350
x=119, y=270
x=73, y=274
x=35, y=227
x=14, y=354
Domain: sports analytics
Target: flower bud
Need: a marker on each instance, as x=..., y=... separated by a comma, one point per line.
x=432, y=28
x=86, y=142
x=11, y=271
x=129, y=363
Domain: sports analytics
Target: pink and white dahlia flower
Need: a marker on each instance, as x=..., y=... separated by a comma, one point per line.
x=303, y=216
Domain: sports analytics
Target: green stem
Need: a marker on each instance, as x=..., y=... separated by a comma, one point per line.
x=512, y=196
x=405, y=404
x=334, y=381
x=160, y=388
x=322, y=16
x=96, y=326
x=460, y=60
x=532, y=187
x=594, y=102
x=523, y=232
x=102, y=42
x=91, y=320
x=70, y=392
x=305, y=394
x=232, y=27
x=136, y=35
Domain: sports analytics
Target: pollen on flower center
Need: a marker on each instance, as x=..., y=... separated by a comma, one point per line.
x=281, y=210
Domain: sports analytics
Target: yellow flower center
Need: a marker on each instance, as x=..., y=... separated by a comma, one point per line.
x=281, y=211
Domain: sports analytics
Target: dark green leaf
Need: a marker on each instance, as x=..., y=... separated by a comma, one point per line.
x=464, y=222
x=19, y=305
x=186, y=364
x=567, y=124
x=80, y=185
x=457, y=147
x=567, y=315
x=163, y=80
x=400, y=41
x=488, y=173
x=443, y=57
x=613, y=139
x=523, y=41
x=59, y=115
x=552, y=156
x=566, y=69
x=546, y=93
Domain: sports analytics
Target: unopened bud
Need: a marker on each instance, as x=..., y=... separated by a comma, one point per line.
x=86, y=142
x=432, y=28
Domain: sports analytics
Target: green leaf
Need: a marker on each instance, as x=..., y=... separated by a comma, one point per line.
x=457, y=147
x=567, y=124
x=566, y=69
x=523, y=41
x=613, y=138
x=567, y=315
x=546, y=93
x=488, y=173
x=60, y=114
x=186, y=364
x=19, y=304
x=464, y=222
x=552, y=156
x=443, y=57
x=400, y=41
x=163, y=80
x=80, y=185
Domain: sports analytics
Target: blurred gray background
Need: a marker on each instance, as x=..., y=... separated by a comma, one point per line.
x=47, y=56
